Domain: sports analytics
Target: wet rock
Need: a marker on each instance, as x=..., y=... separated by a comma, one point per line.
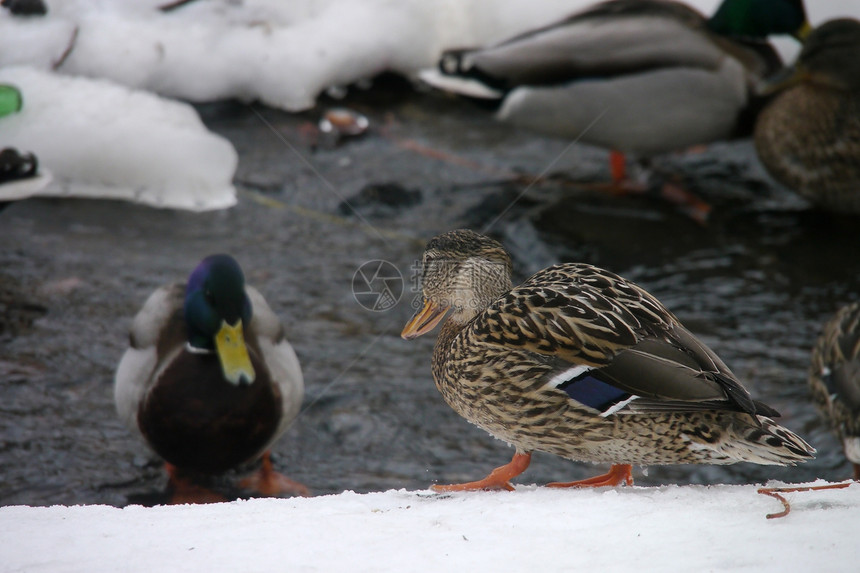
x=380, y=200
x=507, y=203
x=17, y=372
x=17, y=312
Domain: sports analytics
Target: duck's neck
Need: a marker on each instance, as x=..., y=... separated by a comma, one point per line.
x=450, y=329
x=455, y=323
x=487, y=282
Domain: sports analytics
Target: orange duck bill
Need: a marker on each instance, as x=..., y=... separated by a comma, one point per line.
x=424, y=320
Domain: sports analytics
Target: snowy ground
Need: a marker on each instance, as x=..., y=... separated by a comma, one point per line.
x=692, y=528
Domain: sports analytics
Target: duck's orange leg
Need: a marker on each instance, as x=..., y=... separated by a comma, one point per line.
x=184, y=490
x=621, y=184
x=266, y=481
x=617, y=474
x=499, y=478
x=618, y=167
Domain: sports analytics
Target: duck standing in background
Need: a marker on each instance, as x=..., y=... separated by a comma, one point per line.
x=642, y=77
x=808, y=136
x=209, y=381
x=834, y=379
x=581, y=363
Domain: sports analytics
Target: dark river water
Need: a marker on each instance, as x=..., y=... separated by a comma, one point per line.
x=756, y=282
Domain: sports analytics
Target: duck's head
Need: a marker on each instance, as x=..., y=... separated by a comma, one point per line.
x=760, y=18
x=216, y=310
x=830, y=57
x=831, y=54
x=461, y=271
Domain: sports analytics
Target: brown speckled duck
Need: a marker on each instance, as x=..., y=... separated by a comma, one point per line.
x=834, y=379
x=808, y=137
x=583, y=364
x=208, y=380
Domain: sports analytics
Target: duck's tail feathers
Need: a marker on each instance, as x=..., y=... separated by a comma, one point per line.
x=770, y=444
x=460, y=85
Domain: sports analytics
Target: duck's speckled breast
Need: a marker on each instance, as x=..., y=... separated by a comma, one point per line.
x=501, y=393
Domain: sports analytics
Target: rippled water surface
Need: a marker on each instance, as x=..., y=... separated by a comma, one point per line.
x=756, y=283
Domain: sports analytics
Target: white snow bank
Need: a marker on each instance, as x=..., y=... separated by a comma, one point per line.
x=690, y=528
x=99, y=139
x=282, y=53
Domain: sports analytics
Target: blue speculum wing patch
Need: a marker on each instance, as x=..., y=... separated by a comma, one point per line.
x=594, y=393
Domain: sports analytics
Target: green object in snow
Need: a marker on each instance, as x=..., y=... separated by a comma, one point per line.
x=10, y=99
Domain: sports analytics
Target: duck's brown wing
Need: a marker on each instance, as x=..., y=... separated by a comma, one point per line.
x=608, y=341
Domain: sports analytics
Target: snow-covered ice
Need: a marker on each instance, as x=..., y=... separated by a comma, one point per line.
x=691, y=528
x=281, y=53
x=102, y=140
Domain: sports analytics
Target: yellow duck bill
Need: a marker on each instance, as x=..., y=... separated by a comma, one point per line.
x=424, y=320
x=235, y=362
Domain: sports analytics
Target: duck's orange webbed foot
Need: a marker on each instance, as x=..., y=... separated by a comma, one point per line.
x=183, y=489
x=617, y=474
x=498, y=479
x=266, y=481
x=688, y=203
x=673, y=193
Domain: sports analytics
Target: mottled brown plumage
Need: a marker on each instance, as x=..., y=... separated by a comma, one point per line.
x=808, y=137
x=584, y=364
x=834, y=379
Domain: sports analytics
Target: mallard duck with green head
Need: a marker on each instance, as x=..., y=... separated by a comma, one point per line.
x=209, y=381
x=834, y=379
x=641, y=77
x=581, y=363
x=808, y=137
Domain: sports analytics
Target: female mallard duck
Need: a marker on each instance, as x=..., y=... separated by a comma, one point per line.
x=583, y=364
x=208, y=380
x=808, y=137
x=633, y=76
x=834, y=379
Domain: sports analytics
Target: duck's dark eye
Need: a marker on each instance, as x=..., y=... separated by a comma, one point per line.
x=208, y=296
